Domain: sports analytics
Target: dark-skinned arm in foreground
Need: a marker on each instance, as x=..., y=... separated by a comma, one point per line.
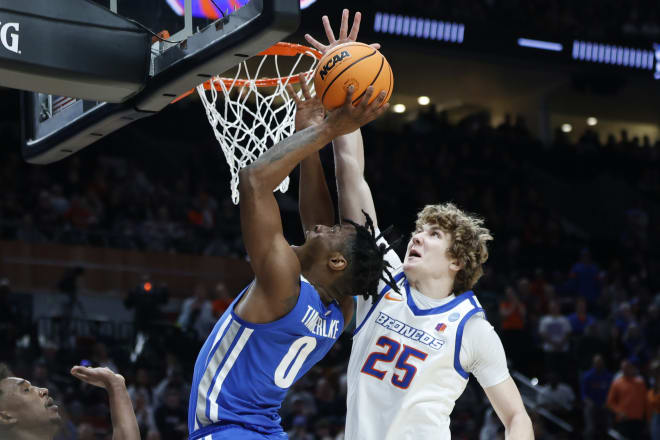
x=124, y=423
x=276, y=267
x=314, y=200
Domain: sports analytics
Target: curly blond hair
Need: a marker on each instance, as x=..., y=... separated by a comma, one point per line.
x=468, y=240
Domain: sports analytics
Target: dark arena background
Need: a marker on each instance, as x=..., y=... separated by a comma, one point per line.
x=541, y=116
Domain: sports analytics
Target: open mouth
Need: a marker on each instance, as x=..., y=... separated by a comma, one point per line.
x=414, y=253
x=50, y=403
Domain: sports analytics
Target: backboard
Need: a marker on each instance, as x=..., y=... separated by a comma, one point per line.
x=206, y=37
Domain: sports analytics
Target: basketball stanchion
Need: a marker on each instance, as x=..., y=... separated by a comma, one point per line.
x=255, y=113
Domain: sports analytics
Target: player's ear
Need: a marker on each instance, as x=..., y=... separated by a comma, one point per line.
x=455, y=265
x=337, y=262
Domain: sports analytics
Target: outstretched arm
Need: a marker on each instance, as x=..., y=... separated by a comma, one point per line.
x=509, y=407
x=354, y=193
x=314, y=201
x=353, y=190
x=124, y=424
x=275, y=264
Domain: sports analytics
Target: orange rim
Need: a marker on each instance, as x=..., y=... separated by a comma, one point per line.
x=281, y=49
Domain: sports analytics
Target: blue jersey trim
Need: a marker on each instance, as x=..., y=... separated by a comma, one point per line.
x=474, y=303
x=218, y=370
x=386, y=289
x=213, y=349
x=435, y=310
x=459, y=337
x=278, y=321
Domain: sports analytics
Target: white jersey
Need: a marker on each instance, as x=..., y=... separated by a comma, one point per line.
x=406, y=371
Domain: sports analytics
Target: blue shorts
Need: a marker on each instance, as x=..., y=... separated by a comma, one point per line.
x=231, y=431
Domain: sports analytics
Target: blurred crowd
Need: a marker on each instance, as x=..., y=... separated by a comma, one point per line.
x=571, y=285
x=589, y=19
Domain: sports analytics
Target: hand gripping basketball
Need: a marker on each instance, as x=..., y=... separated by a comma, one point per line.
x=309, y=110
x=348, y=118
x=346, y=62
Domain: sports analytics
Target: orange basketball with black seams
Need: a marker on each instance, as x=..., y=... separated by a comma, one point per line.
x=356, y=64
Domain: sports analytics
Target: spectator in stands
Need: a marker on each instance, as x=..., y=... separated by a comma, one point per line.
x=584, y=277
x=594, y=386
x=627, y=401
x=651, y=325
x=299, y=430
x=537, y=288
x=653, y=403
x=555, y=330
x=101, y=358
x=512, y=321
x=491, y=426
x=143, y=413
x=147, y=300
x=222, y=300
x=299, y=402
x=173, y=380
x=588, y=345
x=142, y=386
x=172, y=416
x=624, y=317
x=326, y=400
x=580, y=319
x=86, y=432
x=635, y=343
x=557, y=397
x=197, y=313
x=70, y=285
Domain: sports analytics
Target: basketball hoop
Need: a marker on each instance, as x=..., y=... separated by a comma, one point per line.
x=246, y=129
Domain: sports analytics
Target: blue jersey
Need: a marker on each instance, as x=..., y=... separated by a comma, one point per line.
x=244, y=370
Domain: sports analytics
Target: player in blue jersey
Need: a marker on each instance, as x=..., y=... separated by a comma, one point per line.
x=300, y=300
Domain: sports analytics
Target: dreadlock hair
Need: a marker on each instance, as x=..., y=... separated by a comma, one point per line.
x=366, y=261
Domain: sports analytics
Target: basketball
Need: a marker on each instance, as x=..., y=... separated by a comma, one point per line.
x=356, y=64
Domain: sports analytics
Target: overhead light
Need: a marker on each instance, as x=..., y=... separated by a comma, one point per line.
x=399, y=108
x=539, y=44
x=419, y=27
x=591, y=121
x=566, y=128
x=595, y=52
x=423, y=100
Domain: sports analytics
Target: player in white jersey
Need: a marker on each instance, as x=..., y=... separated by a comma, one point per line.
x=413, y=351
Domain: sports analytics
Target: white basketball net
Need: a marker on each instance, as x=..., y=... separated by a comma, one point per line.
x=252, y=119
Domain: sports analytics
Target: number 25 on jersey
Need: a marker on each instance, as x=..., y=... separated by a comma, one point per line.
x=398, y=380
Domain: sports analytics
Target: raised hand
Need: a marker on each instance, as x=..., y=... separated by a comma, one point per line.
x=344, y=36
x=348, y=118
x=100, y=377
x=309, y=110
